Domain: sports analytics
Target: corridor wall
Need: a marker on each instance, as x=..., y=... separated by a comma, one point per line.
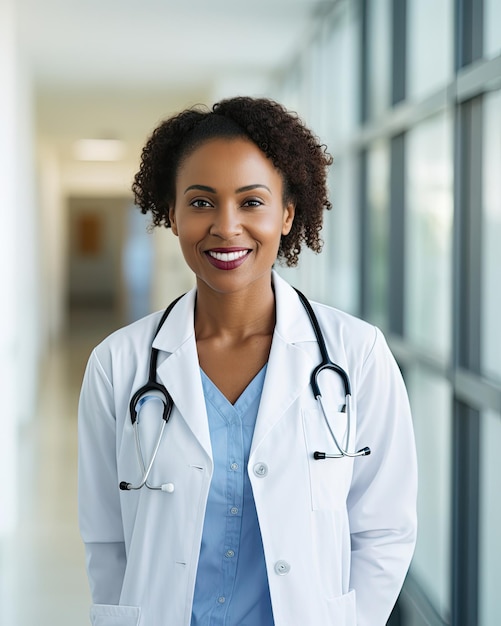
x=19, y=337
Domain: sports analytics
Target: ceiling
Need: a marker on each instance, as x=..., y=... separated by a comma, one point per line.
x=113, y=68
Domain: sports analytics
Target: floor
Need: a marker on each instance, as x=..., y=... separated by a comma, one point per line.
x=42, y=566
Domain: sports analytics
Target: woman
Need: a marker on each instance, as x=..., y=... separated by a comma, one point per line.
x=245, y=527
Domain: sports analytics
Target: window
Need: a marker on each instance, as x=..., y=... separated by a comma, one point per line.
x=430, y=45
x=378, y=163
x=379, y=56
x=341, y=236
x=492, y=28
x=490, y=519
x=428, y=199
x=430, y=398
x=342, y=79
x=491, y=237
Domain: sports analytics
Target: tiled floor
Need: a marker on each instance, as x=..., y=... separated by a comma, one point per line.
x=42, y=568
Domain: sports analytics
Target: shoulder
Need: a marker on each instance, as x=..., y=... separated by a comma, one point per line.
x=344, y=320
x=127, y=343
x=361, y=348
x=343, y=329
x=348, y=338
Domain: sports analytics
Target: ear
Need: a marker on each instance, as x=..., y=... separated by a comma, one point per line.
x=172, y=220
x=288, y=218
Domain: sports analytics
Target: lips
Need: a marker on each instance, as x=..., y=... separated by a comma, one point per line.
x=227, y=258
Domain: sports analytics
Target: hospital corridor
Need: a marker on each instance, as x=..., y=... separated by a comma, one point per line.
x=42, y=565
x=406, y=97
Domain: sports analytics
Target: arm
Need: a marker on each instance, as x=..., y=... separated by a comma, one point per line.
x=382, y=499
x=99, y=503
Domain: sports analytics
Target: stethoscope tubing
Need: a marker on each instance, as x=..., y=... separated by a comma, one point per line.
x=327, y=364
x=155, y=386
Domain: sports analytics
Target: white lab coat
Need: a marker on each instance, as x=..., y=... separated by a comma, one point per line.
x=338, y=534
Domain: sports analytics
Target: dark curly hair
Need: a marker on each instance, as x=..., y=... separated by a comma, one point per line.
x=280, y=134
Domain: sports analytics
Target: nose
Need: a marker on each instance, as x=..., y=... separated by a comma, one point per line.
x=227, y=223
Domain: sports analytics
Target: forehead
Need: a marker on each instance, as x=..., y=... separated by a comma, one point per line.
x=228, y=159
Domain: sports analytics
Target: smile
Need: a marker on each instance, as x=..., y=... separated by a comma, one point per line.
x=228, y=256
x=230, y=260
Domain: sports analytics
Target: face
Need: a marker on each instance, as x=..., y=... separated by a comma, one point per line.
x=229, y=214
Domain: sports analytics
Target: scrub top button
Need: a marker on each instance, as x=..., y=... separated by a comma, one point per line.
x=282, y=568
x=234, y=510
x=260, y=470
x=234, y=466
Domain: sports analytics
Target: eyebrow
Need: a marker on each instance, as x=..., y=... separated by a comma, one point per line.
x=239, y=190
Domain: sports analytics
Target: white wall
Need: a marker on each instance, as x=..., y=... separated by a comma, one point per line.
x=53, y=242
x=19, y=343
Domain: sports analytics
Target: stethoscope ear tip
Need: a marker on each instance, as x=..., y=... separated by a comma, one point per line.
x=364, y=451
x=124, y=486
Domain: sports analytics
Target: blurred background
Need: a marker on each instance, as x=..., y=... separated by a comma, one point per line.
x=407, y=96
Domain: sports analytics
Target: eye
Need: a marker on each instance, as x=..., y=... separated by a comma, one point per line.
x=252, y=202
x=200, y=204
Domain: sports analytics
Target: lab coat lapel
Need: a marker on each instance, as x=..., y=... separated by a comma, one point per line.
x=179, y=370
x=289, y=365
x=288, y=371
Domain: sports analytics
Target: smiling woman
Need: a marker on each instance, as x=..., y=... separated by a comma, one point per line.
x=254, y=526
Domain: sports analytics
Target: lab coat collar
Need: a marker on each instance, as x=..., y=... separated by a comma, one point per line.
x=179, y=325
x=292, y=323
x=289, y=366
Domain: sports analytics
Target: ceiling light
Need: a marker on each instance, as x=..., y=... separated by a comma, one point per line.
x=99, y=150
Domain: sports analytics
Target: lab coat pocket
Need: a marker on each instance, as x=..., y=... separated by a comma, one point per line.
x=329, y=478
x=343, y=610
x=113, y=615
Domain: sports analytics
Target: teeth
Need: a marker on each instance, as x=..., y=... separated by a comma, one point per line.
x=228, y=256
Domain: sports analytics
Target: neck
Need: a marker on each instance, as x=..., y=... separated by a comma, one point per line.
x=235, y=316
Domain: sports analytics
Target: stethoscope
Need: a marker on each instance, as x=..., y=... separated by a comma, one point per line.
x=158, y=390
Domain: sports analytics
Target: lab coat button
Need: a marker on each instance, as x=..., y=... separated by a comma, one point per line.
x=260, y=470
x=282, y=568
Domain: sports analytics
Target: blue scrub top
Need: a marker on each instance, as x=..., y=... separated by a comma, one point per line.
x=232, y=584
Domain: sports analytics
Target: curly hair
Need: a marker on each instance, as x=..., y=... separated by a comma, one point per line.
x=281, y=136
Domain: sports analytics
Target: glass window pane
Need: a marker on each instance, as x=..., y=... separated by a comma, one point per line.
x=492, y=28
x=430, y=399
x=379, y=56
x=430, y=45
x=289, y=90
x=491, y=233
x=490, y=520
x=378, y=163
x=312, y=86
x=428, y=235
x=342, y=78
x=341, y=238
x=332, y=276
